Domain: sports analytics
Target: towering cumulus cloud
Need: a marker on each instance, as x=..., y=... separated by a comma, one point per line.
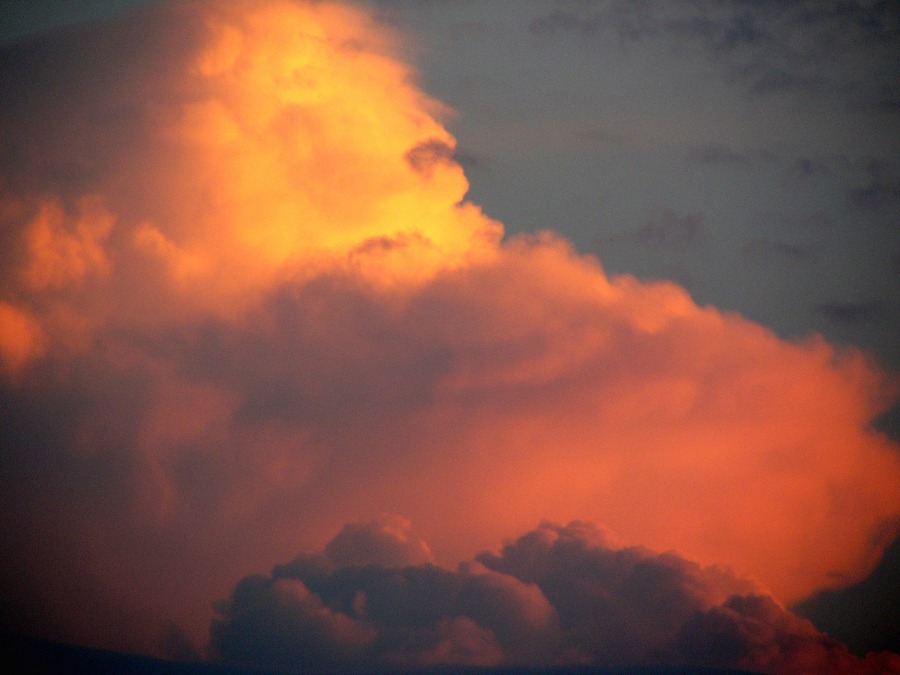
x=243, y=303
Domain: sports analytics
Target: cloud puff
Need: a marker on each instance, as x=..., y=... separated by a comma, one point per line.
x=557, y=595
x=387, y=542
x=237, y=144
x=243, y=302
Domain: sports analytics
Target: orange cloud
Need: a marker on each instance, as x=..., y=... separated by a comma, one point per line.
x=63, y=251
x=272, y=140
x=21, y=337
x=288, y=159
x=250, y=305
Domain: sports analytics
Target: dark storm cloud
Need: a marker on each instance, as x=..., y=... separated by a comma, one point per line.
x=851, y=313
x=773, y=251
x=666, y=229
x=808, y=167
x=472, y=160
x=713, y=155
x=563, y=21
x=874, y=600
x=557, y=595
x=894, y=262
x=870, y=182
x=769, y=47
x=24, y=18
x=882, y=186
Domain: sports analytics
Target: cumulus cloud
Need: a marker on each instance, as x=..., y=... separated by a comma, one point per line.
x=387, y=542
x=243, y=302
x=555, y=596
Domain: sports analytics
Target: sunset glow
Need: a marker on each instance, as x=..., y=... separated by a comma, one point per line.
x=246, y=314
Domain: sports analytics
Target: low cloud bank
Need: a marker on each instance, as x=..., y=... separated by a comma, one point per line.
x=558, y=595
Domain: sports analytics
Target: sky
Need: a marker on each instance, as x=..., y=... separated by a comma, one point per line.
x=472, y=332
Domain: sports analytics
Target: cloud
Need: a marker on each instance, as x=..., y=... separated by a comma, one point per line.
x=766, y=250
x=851, y=313
x=555, y=596
x=666, y=229
x=767, y=48
x=882, y=187
x=713, y=155
x=386, y=542
x=424, y=156
x=244, y=302
x=871, y=602
x=562, y=21
x=21, y=337
x=808, y=167
x=198, y=124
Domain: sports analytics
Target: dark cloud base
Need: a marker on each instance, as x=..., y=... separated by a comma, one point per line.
x=877, y=597
x=53, y=658
x=557, y=596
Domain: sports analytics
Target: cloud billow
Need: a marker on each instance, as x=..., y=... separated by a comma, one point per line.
x=244, y=302
x=556, y=596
